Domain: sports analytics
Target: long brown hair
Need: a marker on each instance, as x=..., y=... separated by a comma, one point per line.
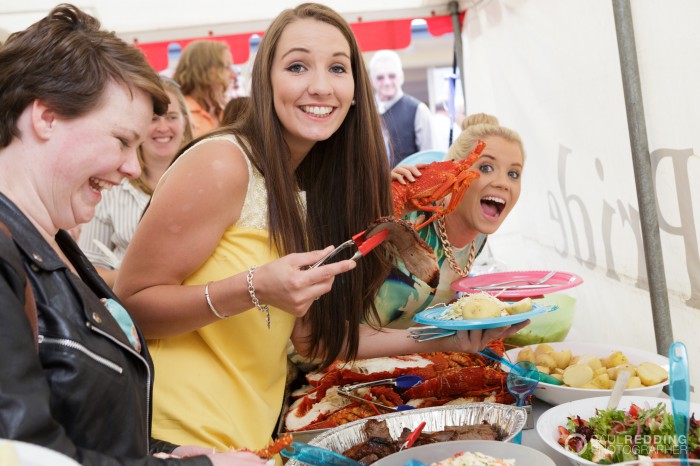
x=347, y=184
x=193, y=73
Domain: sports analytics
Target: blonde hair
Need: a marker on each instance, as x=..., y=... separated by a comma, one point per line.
x=171, y=87
x=193, y=73
x=478, y=126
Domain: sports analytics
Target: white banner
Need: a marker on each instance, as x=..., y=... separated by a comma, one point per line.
x=550, y=69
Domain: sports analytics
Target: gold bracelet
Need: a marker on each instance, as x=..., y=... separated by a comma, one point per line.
x=211, y=305
x=264, y=308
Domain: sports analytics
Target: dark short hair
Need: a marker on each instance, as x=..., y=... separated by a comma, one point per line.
x=67, y=61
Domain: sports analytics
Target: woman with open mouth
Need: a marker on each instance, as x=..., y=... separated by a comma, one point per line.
x=458, y=237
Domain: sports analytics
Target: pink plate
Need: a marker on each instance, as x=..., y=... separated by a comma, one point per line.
x=524, y=287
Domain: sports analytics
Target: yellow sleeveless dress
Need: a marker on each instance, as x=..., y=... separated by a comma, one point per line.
x=222, y=386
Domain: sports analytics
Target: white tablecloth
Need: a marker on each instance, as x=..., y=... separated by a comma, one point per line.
x=531, y=439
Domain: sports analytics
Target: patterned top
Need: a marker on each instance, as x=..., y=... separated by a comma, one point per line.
x=222, y=385
x=402, y=295
x=114, y=223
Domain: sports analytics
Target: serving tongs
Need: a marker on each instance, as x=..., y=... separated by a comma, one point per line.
x=403, y=381
x=360, y=240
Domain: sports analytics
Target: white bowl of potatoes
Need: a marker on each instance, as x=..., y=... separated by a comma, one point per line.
x=590, y=369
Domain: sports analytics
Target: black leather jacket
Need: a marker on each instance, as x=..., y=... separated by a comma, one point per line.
x=88, y=392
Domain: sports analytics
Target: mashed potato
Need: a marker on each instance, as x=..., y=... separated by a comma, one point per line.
x=474, y=459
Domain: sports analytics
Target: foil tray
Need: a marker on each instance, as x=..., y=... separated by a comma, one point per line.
x=508, y=419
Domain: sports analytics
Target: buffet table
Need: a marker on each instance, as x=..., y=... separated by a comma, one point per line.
x=532, y=440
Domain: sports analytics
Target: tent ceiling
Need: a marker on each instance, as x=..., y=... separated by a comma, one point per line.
x=160, y=20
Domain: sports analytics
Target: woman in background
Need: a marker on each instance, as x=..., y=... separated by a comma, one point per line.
x=458, y=237
x=120, y=210
x=235, y=109
x=204, y=73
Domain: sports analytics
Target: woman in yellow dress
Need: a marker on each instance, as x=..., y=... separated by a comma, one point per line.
x=217, y=273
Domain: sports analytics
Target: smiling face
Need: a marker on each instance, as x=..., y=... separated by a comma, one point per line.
x=312, y=83
x=165, y=133
x=492, y=196
x=95, y=152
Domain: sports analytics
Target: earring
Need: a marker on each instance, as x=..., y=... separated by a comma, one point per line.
x=353, y=102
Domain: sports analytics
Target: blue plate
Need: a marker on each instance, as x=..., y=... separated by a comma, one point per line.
x=430, y=317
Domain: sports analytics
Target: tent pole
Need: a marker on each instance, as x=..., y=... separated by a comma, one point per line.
x=457, y=30
x=641, y=159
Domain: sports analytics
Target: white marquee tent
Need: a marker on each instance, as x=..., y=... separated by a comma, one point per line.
x=552, y=70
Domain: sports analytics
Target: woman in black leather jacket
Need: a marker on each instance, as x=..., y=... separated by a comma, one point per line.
x=75, y=102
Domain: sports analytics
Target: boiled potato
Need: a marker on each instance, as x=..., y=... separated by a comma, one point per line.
x=590, y=371
x=613, y=372
x=577, y=375
x=543, y=348
x=562, y=358
x=520, y=307
x=479, y=306
x=590, y=360
x=558, y=376
x=602, y=381
x=651, y=374
x=634, y=382
x=526, y=354
x=546, y=360
x=615, y=359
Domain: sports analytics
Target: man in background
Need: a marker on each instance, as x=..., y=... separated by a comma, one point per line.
x=407, y=120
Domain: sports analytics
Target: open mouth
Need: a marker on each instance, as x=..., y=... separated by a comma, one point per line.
x=492, y=206
x=317, y=111
x=163, y=139
x=98, y=185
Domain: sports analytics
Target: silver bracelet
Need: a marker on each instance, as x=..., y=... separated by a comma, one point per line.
x=211, y=305
x=256, y=302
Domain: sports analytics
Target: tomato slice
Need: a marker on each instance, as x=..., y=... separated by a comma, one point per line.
x=634, y=411
x=563, y=435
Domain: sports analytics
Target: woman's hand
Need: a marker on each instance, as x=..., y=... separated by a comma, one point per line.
x=471, y=341
x=227, y=458
x=238, y=458
x=288, y=284
x=402, y=173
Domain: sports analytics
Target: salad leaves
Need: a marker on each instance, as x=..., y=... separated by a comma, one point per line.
x=613, y=435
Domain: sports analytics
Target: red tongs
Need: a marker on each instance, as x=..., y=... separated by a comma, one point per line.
x=364, y=245
x=413, y=436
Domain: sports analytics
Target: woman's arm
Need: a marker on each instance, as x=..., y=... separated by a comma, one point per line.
x=392, y=342
x=198, y=199
x=389, y=342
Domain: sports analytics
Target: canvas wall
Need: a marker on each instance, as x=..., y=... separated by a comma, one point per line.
x=550, y=69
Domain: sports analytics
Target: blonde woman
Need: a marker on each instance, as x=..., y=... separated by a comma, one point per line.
x=458, y=237
x=204, y=73
x=117, y=215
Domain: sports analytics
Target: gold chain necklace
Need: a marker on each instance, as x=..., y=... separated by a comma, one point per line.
x=449, y=250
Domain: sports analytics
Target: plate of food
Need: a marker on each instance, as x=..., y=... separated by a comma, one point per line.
x=639, y=428
x=13, y=452
x=590, y=369
x=479, y=311
x=371, y=439
x=517, y=285
x=463, y=452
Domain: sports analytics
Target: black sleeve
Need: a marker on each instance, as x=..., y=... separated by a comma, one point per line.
x=25, y=413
